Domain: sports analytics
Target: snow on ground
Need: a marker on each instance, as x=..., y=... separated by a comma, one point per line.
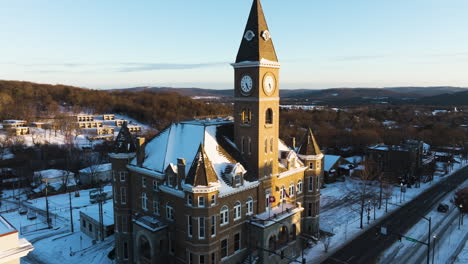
x=463, y=256
x=58, y=245
x=340, y=212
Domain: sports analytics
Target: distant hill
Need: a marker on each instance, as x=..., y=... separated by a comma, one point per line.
x=340, y=96
x=460, y=98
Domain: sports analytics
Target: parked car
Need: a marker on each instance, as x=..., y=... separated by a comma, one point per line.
x=32, y=215
x=443, y=208
x=23, y=210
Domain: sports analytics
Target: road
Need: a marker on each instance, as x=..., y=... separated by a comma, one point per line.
x=367, y=248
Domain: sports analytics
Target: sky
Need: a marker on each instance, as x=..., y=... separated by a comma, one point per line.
x=191, y=43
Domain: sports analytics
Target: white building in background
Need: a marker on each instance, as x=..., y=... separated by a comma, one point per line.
x=12, y=248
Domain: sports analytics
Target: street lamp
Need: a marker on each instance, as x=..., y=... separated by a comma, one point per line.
x=401, y=191
x=460, y=218
x=433, y=247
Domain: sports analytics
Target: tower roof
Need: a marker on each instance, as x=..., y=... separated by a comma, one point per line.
x=309, y=145
x=201, y=172
x=124, y=142
x=256, y=42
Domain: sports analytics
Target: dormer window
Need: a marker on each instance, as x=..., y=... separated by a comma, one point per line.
x=237, y=179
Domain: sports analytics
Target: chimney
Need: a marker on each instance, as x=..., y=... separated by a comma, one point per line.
x=140, y=150
x=294, y=143
x=181, y=171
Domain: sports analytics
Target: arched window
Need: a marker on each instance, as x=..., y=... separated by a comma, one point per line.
x=144, y=201
x=145, y=248
x=224, y=214
x=269, y=116
x=299, y=187
x=283, y=236
x=271, y=145
x=282, y=194
x=237, y=210
x=266, y=145
x=249, y=206
x=246, y=116
x=293, y=232
x=292, y=189
x=272, y=243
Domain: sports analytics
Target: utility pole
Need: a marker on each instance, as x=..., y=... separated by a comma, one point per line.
x=47, y=205
x=101, y=199
x=71, y=212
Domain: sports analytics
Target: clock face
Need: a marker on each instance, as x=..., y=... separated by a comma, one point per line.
x=246, y=84
x=269, y=84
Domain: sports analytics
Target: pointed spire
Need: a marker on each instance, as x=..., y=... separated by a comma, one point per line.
x=256, y=42
x=201, y=172
x=124, y=142
x=309, y=145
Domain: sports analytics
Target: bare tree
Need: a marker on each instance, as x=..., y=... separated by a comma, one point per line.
x=326, y=241
x=364, y=187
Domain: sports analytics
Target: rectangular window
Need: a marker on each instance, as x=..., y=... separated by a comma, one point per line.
x=224, y=248
x=156, y=207
x=169, y=212
x=202, y=259
x=213, y=199
x=143, y=182
x=237, y=242
x=123, y=175
x=125, y=250
x=190, y=258
x=201, y=227
x=124, y=224
x=201, y=201
x=155, y=185
x=318, y=183
x=213, y=225
x=311, y=183
x=189, y=226
x=311, y=165
x=309, y=211
x=84, y=223
x=123, y=195
x=189, y=199
x=90, y=227
x=213, y=258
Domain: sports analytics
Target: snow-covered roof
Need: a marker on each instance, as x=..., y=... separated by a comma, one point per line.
x=354, y=159
x=329, y=161
x=13, y=121
x=93, y=212
x=97, y=168
x=53, y=173
x=5, y=227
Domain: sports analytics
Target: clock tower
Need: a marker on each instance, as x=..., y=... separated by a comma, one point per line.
x=256, y=94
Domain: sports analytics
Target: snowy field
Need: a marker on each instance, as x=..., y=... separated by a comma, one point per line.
x=340, y=212
x=58, y=245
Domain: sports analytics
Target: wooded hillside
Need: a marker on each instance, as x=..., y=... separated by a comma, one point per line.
x=30, y=101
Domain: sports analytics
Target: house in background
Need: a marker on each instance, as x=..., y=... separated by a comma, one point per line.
x=96, y=173
x=90, y=224
x=12, y=248
x=54, y=180
x=335, y=167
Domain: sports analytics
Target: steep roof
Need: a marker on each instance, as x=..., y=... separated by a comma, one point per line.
x=309, y=145
x=259, y=45
x=201, y=172
x=124, y=142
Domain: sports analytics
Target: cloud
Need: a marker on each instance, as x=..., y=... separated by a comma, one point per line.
x=138, y=67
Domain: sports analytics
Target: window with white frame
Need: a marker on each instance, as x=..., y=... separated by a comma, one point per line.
x=213, y=199
x=122, y=175
x=224, y=248
x=144, y=201
x=282, y=193
x=292, y=189
x=237, y=210
x=318, y=183
x=201, y=201
x=299, y=187
x=169, y=212
x=189, y=199
x=123, y=195
x=201, y=227
x=224, y=215
x=156, y=207
x=155, y=185
x=249, y=206
x=311, y=183
x=143, y=182
x=213, y=225
x=189, y=226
